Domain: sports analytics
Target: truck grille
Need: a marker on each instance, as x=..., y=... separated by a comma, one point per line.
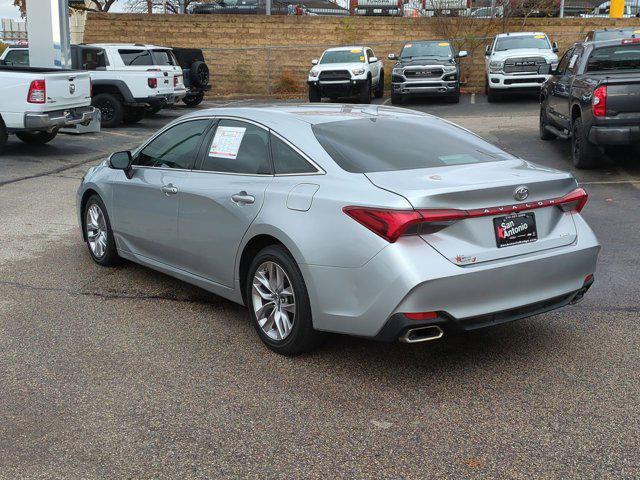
x=523, y=64
x=335, y=75
x=424, y=73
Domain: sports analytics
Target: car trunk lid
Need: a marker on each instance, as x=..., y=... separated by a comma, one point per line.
x=67, y=90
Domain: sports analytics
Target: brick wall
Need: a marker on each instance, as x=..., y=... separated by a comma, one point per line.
x=260, y=55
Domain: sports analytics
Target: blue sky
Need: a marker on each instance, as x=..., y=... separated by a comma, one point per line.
x=7, y=10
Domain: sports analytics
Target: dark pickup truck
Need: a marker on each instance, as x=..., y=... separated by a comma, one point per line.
x=593, y=98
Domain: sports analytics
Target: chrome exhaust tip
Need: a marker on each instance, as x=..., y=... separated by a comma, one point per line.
x=422, y=334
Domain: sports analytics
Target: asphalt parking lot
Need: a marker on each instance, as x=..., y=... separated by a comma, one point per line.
x=128, y=373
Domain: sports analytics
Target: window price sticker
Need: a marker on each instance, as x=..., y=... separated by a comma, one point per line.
x=226, y=142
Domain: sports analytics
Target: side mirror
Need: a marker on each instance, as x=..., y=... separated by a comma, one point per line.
x=555, y=48
x=373, y=59
x=487, y=50
x=314, y=61
x=462, y=54
x=392, y=56
x=122, y=161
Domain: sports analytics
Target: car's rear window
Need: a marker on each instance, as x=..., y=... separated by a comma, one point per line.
x=387, y=144
x=613, y=34
x=136, y=57
x=164, y=57
x=621, y=57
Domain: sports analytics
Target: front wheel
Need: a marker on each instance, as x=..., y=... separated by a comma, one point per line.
x=279, y=303
x=492, y=95
x=365, y=92
x=584, y=155
x=193, y=100
x=36, y=138
x=98, y=233
x=380, y=87
x=314, y=94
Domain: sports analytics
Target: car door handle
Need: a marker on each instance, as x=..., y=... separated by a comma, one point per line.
x=243, y=198
x=169, y=189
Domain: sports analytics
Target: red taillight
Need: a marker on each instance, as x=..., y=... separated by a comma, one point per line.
x=176, y=80
x=37, y=92
x=152, y=82
x=627, y=41
x=389, y=224
x=574, y=201
x=421, y=315
x=599, y=102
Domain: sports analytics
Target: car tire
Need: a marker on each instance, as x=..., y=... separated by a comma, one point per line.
x=492, y=95
x=199, y=74
x=454, y=98
x=544, y=133
x=314, y=94
x=193, y=100
x=4, y=135
x=584, y=155
x=96, y=223
x=486, y=86
x=396, y=99
x=111, y=109
x=299, y=334
x=36, y=138
x=365, y=92
x=379, y=93
x=133, y=114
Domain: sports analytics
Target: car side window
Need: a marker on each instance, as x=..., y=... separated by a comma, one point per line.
x=286, y=160
x=176, y=147
x=17, y=57
x=564, y=62
x=136, y=57
x=237, y=147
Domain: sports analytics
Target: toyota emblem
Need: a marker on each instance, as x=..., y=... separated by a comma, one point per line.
x=521, y=193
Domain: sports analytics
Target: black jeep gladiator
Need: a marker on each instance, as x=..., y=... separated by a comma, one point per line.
x=427, y=67
x=195, y=73
x=593, y=98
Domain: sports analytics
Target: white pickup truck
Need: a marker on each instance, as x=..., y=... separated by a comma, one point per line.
x=121, y=93
x=518, y=61
x=36, y=102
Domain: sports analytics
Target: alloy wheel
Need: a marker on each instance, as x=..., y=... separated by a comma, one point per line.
x=107, y=110
x=273, y=301
x=96, y=230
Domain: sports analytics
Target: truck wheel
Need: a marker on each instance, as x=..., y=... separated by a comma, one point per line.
x=584, y=155
x=111, y=109
x=36, y=138
x=365, y=92
x=396, y=98
x=133, y=114
x=199, y=74
x=193, y=100
x=492, y=95
x=380, y=87
x=544, y=133
x=3, y=134
x=314, y=94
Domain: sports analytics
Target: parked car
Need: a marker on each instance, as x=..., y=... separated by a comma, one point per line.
x=278, y=7
x=195, y=73
x=593, y=98
x=139, y=57
x=612, y=34
x=120, y=93
x=427, y=67
x=346, y=72
x=36, y=102
x=631, y=9
x=372, y=221
x=518, y=62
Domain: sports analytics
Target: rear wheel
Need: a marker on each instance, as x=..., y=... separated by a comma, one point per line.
x=279, y=304
x=380, y=87
x=133, y=114
x=365, y=92
x=36, y=138
x=193, y=100
x=98, y=233
x=544, y=133
x=111, y=109
x=314, y=94
x=454, y=98
x=584, y=155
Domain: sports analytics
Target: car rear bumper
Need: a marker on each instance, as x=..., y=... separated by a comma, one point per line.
x=410, y=276
x=59, y=118
x=425, y=87
x=629, y=135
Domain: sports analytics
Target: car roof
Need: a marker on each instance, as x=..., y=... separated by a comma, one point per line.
x=128, y=45
x=309, y=114
x=519, y=34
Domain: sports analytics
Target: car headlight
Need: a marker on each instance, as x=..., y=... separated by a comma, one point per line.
x=449, y=68
x=314, y=73
x=357, y=71
x=397, y=71
x=554, y=65
x=496, y=66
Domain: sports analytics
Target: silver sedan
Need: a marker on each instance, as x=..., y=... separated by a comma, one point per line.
x=371, y=221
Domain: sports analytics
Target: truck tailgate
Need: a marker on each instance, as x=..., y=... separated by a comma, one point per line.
x=623, y=97
x=67, y=90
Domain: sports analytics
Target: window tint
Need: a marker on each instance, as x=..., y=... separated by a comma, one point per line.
x=164, y=57
x=389, y=144
x=237, y=147
x=93, y=59
x=174, y=148
x=286, y=160
x=17, y=57
x=136, y=57
x=620, y=57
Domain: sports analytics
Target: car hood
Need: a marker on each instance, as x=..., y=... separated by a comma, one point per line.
x=525, y=52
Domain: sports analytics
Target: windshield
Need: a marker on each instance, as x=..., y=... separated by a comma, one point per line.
x=522, y=41
x=388, y=144
x=622, y=57
x=355, y=55
x=426, y=49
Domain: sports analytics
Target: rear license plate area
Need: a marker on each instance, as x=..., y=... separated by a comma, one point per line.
x=515, y=229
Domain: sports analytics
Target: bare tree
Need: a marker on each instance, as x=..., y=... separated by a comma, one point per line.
x=96, y=5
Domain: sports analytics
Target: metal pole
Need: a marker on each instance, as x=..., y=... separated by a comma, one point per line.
x=561, y=8
x=267, y=7
x=493, y=8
